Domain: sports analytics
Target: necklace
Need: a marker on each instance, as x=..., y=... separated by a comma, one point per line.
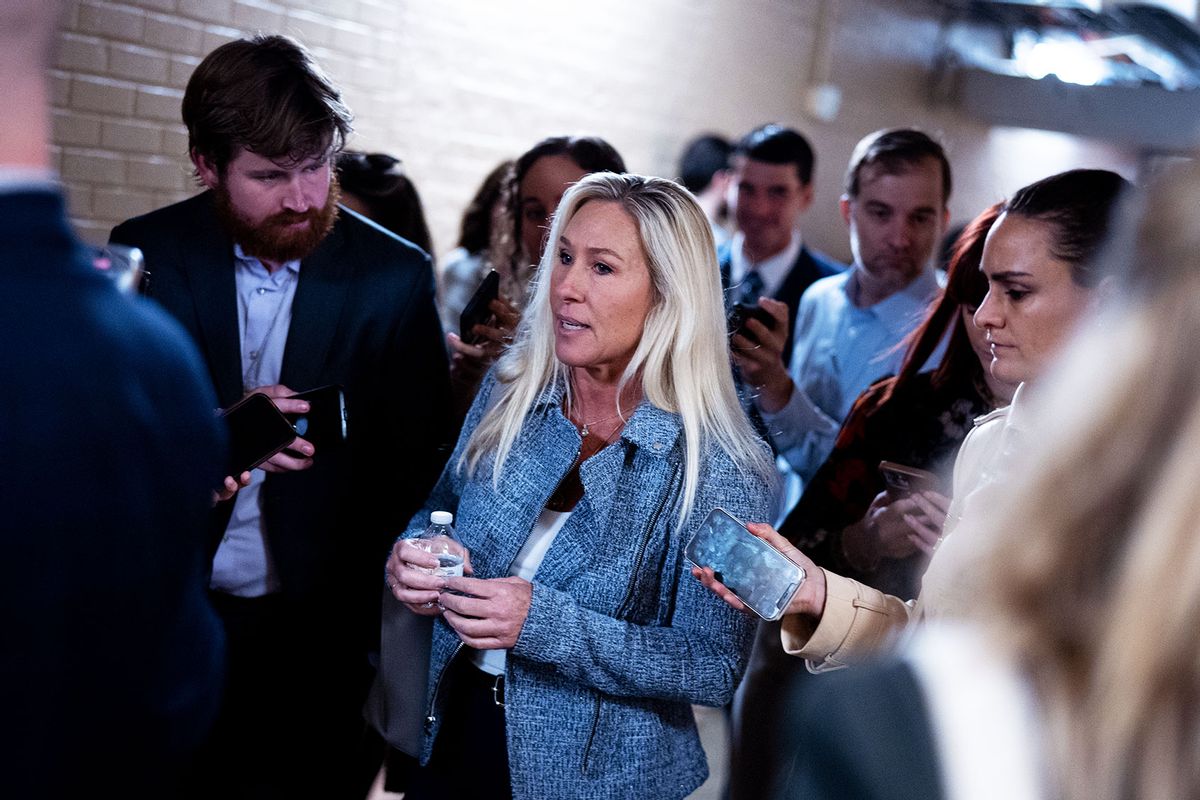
x=586, y=429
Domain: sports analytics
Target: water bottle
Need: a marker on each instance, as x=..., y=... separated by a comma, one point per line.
x=441, y=540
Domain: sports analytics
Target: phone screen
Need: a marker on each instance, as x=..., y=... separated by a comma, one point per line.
x=762, y=577
x=257, y=431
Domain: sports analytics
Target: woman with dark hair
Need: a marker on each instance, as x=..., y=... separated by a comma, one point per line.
x=847, y=519
x=464, y=266
x=1041, y=283
x=529, y=196
x=374, y=185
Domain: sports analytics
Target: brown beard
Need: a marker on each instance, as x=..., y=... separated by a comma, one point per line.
x=270, y=239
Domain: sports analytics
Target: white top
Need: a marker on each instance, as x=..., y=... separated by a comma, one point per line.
x=525, y=566
x=983, y=716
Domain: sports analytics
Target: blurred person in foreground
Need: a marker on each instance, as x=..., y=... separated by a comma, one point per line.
x=1077, y=675
x=1042, y=281
x=109, y=450
x=567, y=664
x=283, y=293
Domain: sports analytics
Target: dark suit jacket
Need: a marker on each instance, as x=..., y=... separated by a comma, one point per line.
x=363, y=317
x=111, y=663
x=810, y=266
x=859, y=734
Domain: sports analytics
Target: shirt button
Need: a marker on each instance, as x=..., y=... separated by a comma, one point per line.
x=254, y=354
x=262, y=290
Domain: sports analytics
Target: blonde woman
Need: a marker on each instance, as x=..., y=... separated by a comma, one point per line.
x=566, y=665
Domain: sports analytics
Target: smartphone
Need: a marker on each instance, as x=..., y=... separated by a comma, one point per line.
x=124, y=266
x=325, y=422
x=741, y=313
x=762, y=577
x=257, y=431
x=477, y=311
x=902, y=480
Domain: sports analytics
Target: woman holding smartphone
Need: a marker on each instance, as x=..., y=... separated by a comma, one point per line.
x=1041, y=283
x=566, y=665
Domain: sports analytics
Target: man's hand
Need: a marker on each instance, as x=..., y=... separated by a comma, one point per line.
x=488, y=614
x=809, y=600
x=230, y=486
x=297, y=455
x=760, y=360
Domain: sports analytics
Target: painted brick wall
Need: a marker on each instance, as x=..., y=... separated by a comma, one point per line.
x=455, y=86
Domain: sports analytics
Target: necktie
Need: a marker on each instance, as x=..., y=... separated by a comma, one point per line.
x=752, y=287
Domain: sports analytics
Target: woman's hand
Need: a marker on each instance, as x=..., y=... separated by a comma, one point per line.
x=927, y=521
x=809, y=600
x=468, y=362
x=883, y=532
x=409, y=574
x=487, y=614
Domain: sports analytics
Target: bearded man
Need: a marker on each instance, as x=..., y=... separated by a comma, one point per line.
x=284, y=291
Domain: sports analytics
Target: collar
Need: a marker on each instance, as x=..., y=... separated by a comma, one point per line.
x=650, y=428
x=774, y=270
x=14, y=179
x=899, y=311
x=292, y=266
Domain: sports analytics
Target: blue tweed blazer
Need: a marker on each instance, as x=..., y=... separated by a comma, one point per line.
x=620, y=639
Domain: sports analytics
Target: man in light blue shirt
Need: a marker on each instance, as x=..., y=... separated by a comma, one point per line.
x=849, y=327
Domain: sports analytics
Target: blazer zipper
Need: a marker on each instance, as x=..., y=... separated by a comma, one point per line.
x=430, y=716
x=623, y=609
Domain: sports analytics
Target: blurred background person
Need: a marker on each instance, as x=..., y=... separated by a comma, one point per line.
x=375, y=185
x=465, y=266
x=529, y=197
x=598, y=444
x=1078, y=680
x=847, y=520
x=704, y=171
x=112, y=660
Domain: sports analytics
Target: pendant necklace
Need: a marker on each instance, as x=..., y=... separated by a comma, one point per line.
x=586, y=429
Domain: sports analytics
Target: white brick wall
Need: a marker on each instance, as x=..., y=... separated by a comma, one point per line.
x=454, y=86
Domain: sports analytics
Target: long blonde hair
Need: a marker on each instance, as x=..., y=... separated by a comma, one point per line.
x=1095, y=585
x=683, y=356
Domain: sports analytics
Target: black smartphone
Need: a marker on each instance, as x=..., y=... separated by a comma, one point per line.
x=477, y=311
x=762, y=577
x=324, y=425
x=741, y=313
x=902, y=480
x=257, y=431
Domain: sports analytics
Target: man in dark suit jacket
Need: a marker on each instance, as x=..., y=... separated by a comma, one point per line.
x=283, y=291
x=111, y=660
x=772, y=178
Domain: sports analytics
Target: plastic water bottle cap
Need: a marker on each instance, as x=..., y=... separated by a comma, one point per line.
x=441, y=518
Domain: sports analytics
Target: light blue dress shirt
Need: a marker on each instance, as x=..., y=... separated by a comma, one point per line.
x=242, y=565
x=840, y=349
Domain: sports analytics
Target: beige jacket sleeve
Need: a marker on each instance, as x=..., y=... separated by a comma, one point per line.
x=857, y=622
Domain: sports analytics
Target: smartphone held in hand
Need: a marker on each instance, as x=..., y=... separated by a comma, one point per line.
x=257, y=431
x=762, y=577
x=324, y=424
x=902, y=480
x=478, y=310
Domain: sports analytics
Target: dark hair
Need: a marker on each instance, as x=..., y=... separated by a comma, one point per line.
x=379, y=182
x=265, y=95
x=966, y=285
x=476, y=230
x=590, y=154
x=702, y=158
x=895, y=150
x=1078, y=204
x=775, y=144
